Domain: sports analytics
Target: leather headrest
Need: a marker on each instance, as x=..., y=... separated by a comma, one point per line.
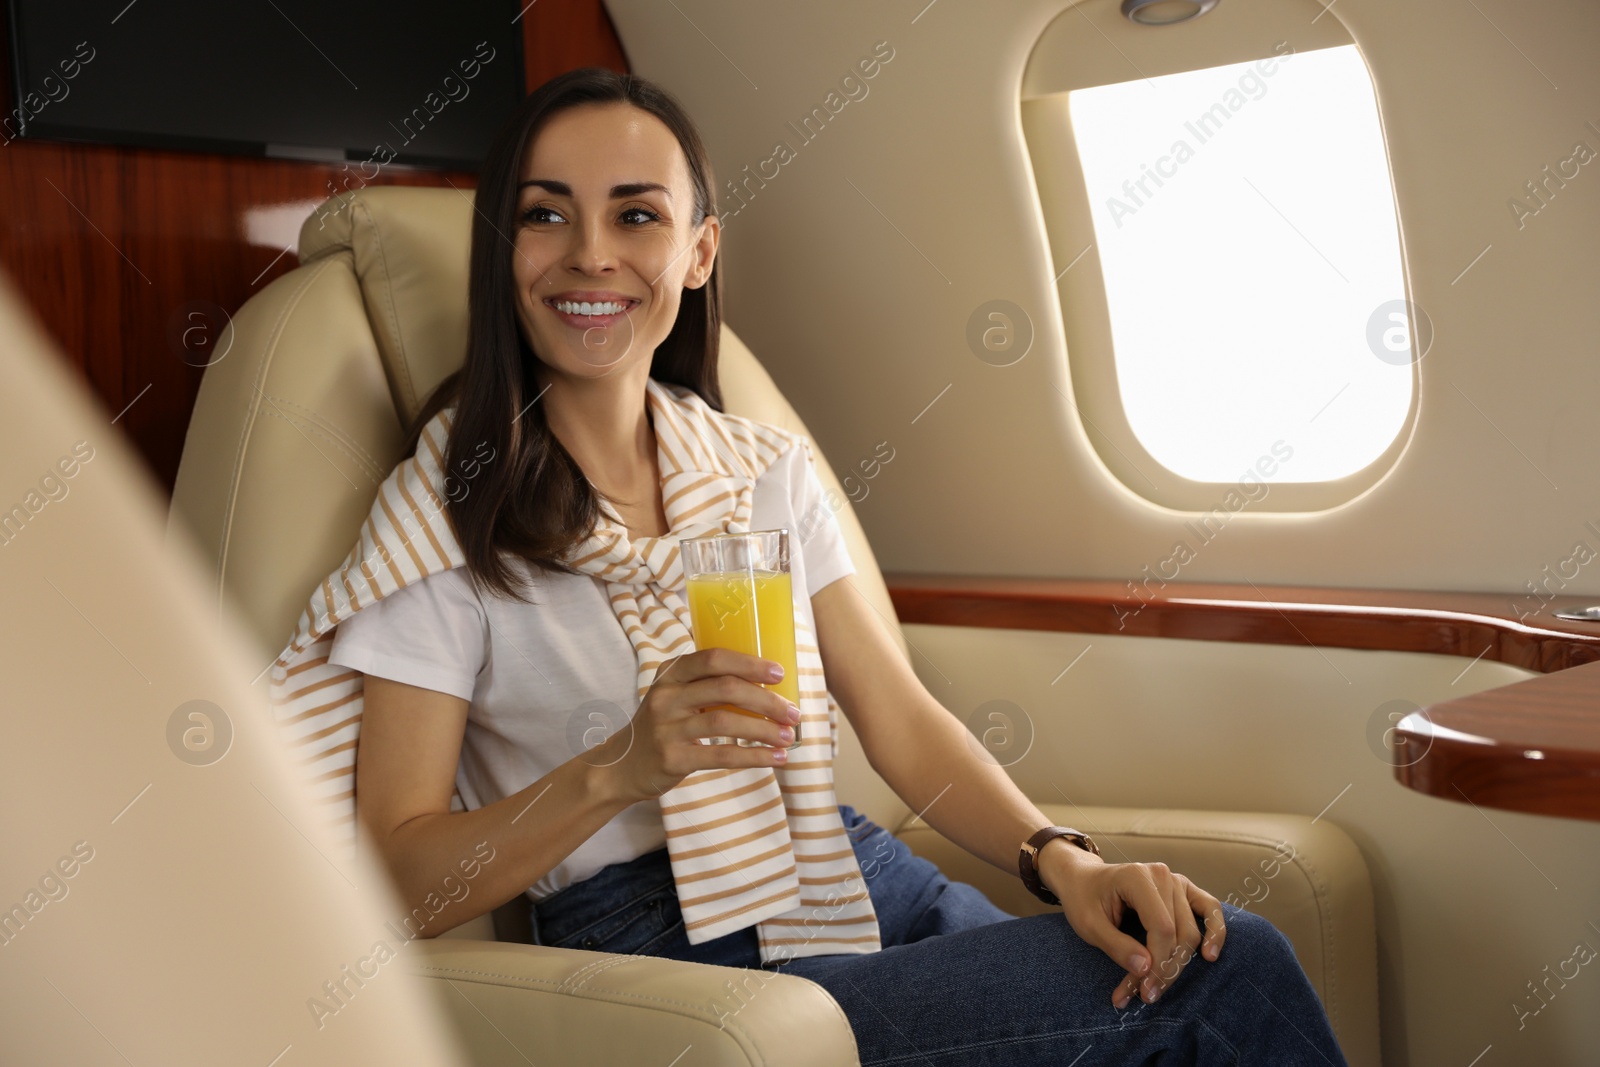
x=410, y=250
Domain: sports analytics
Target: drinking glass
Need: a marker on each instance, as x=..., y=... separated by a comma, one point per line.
x=741, y=598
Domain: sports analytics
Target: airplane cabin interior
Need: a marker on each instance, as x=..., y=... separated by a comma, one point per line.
x=1184, y=402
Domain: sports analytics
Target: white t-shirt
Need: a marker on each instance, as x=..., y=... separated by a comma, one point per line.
x=541, y=676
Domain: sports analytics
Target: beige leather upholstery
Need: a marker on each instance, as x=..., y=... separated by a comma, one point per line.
x=152, y=909
x=571, y=1008
x=295, y=427
x=1307, y=877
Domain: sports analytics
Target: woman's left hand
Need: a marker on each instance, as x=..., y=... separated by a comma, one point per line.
x=1093, y=895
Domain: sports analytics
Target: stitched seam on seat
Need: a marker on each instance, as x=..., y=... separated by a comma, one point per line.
x=577, y=978
x=252, y=407
x=1326, y=917
x=596, y=969
x=337, y=246
x=333, y=441
x=696, y=1012
x=1202, y=835
x=402, y=365
x=316, y=417
x=609, y=996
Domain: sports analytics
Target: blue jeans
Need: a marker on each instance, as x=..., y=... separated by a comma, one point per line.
x=958, y=981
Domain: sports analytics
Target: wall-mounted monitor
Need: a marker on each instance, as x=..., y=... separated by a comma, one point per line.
x=402, y=82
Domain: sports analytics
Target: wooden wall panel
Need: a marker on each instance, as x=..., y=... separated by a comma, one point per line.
x=560, y=35
x=119, y=250
x=1533, y=746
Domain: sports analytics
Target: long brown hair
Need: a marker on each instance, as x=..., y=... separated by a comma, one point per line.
x=531, y=499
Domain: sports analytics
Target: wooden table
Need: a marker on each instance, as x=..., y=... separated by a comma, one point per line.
x=1531, y=746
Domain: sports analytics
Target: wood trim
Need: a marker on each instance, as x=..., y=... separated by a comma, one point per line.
x=1521, y=631
x=560, y=37
x=1532, y=746
x=127, y=254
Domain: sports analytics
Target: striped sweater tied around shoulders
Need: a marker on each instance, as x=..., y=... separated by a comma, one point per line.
x=761, y=846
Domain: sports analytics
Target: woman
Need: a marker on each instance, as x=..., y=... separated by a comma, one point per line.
x=591, y=368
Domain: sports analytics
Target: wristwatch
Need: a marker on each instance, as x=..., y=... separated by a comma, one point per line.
x=1030, y=850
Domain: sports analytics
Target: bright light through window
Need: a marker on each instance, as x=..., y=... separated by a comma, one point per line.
x=1246, y=229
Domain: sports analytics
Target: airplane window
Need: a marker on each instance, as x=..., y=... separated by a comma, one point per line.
x=1245, y=227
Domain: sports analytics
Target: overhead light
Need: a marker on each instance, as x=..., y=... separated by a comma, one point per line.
x=1165, y=12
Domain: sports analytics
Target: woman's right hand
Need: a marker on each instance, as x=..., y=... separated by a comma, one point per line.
x=660, y=746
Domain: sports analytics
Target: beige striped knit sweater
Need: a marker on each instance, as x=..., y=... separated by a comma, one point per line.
x=748, y=846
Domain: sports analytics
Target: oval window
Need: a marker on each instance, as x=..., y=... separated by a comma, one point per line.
x=1250, y=276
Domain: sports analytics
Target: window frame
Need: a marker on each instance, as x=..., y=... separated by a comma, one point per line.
x=1073, y=54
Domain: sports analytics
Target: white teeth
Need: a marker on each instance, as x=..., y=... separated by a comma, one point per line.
x=586, y=308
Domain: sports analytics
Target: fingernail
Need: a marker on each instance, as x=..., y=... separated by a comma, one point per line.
x=1136, y=963
x=794, y=713
x=1122, y=1001
x=1150, y=991
x=779, y=755
x=1155, y=995
x=785, y=734
x=775, y=672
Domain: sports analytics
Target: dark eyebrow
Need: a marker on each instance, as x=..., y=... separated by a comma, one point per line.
x=618, y=192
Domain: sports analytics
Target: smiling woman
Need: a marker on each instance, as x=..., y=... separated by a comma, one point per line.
x=591, y=372
x=637, y=238
x=549, y=216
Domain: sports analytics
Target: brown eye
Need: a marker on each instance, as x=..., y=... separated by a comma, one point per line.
x=538, y=213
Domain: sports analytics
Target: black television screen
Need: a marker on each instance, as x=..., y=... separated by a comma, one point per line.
x=413, y=82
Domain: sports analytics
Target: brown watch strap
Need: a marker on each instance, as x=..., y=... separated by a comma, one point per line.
x=1030, y=849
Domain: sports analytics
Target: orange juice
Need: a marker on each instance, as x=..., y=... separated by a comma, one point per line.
x=748, y=611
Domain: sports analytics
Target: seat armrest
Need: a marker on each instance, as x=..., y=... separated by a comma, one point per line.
x=516, y=1004
x=1305, y=875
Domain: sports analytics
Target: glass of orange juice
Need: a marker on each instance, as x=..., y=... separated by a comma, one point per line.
x=741, y=598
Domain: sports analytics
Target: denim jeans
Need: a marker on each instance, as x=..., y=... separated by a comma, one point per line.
x=958, y=981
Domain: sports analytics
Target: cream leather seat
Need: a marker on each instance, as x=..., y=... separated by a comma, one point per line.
x=297, y=424
x=164, y=896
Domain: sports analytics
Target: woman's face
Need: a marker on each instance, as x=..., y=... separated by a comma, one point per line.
x=604, y=218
